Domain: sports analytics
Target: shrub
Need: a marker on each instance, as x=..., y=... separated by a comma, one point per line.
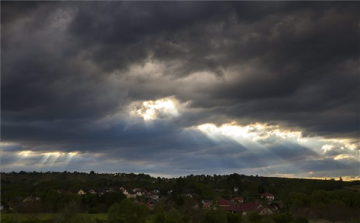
x=283, y=218
x=254, y=217
x=127, y=211
x=301, y=220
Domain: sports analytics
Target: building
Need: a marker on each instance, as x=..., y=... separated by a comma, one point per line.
x=238, y=200
x=81, y=192
x=268, y=196
x=245, y=208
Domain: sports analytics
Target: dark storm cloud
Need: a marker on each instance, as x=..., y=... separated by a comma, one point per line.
x=67, y=67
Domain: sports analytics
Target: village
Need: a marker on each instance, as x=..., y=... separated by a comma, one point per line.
x=266, y=204
x=193, y=198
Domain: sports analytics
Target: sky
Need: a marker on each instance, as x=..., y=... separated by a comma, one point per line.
x=179, y=88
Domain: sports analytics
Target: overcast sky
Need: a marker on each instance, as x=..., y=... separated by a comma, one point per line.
x=178, y=88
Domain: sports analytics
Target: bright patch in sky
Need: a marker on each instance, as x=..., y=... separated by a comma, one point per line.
x=47, y=158
x=343, y=156
x=265, y=135
x=25, y=153
x=252, y=132
x=151, y=110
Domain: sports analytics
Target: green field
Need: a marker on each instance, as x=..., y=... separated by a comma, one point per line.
x=15, y=217
x=20, y=218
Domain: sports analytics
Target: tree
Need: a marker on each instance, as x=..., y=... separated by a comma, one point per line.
x=205, y=191
x=160, y=218
x=298, y=199
x=174, y=216
x=91, y=200
x=283, y=218
x=267, y=220
x=261, y=189
x=78, y=218
x=127, y=211
x=112, y=198
x=254, y=217
x=234, y=181
x=52, y=199
x=215, y=216
x=233, y=218
x=301, y=220
x=70, y=211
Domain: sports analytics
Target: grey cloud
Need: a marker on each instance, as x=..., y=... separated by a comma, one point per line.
x=66, y=66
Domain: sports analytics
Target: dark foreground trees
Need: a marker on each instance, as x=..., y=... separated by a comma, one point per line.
x=127, y=211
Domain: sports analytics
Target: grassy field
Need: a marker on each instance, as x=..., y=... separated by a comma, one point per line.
x=15, y=217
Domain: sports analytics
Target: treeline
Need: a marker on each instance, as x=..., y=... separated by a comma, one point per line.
x=180, y=201
x=338, y=205
x=128, y=211
x=29, y=183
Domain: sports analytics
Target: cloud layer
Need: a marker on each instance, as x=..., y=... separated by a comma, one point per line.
x=175, y=88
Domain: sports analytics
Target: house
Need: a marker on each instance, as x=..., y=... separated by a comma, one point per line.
x=275, y=206
x=101, y=191
x=81, y=192
x=69, y=191
x=153, y=195
x=139, y=192
x=150, y=205
x=238, y=200
x=236, y=205
x=7, y=207
x=110, y=190
x=130, y=194
x=196, y=206
x=265, y=211
x=207, y=204
x=124, y=191
x=31, y=199
x=92, y=191
x=223, y=203
x=244, y=208
x=268, y=196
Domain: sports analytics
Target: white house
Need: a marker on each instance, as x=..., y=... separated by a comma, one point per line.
x=31, y=199
x=81, y=192
x=153, y=195
x=268, y=196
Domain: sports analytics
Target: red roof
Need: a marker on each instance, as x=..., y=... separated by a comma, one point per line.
x=207, y=204
x=223, y=202
x=243, y=207
x=238, y=198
